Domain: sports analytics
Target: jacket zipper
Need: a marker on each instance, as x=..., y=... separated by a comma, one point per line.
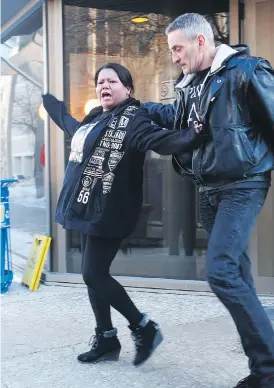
x=196, y=152
x=200, y=99
x=182, y=100
x=181, y=93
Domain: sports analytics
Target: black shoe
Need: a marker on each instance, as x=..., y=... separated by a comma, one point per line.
x=248, y=382
x=256, y=382
x=147, y=337
x=105, y=346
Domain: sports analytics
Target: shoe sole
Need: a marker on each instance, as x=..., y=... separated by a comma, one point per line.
x=156, y=342
x=112, y=356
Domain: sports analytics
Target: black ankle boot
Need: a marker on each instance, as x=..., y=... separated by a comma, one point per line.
x=256, y=382
x=147, y=337
x=105, y=346
x=248, y=382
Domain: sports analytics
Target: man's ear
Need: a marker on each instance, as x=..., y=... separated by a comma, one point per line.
x=201, y=41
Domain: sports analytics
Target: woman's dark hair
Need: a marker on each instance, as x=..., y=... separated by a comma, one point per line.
x=122, y=72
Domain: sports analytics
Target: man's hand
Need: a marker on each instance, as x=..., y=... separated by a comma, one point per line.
x=198, y=128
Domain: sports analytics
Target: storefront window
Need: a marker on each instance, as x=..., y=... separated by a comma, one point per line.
x=22, y=138
x=168, y=240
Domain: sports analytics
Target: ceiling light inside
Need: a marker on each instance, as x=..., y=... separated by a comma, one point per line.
x=140, y=19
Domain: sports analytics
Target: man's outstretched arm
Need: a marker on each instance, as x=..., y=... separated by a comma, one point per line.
x=161, y=114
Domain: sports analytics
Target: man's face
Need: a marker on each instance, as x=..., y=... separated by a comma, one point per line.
x=188, y=54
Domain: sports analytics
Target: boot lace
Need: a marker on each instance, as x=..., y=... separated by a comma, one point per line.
x=94, y=341
x=138, y=339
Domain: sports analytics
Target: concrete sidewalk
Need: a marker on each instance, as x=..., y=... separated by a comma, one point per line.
x=43, y=331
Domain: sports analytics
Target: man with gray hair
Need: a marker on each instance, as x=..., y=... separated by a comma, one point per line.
x=232, y=94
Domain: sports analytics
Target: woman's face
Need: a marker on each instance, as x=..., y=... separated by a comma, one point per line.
x=110, y=90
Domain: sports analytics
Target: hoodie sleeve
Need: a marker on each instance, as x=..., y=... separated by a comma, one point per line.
x=163, y=115
x=58, y=113
x=146, y=135
x=261, y=100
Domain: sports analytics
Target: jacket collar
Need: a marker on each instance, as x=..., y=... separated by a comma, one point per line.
x=223, y=54
x=116, y=111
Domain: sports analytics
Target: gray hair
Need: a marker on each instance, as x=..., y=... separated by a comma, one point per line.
x=192, y=24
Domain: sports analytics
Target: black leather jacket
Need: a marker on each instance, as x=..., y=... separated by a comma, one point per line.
x=237, y=105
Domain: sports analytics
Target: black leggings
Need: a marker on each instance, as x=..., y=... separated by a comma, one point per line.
x=103, y=290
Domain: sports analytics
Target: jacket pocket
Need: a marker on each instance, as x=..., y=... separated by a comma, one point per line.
x=232, y=152
x=95, y=206
x=247, y=147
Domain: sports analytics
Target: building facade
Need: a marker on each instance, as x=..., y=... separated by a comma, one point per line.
x=56, y=46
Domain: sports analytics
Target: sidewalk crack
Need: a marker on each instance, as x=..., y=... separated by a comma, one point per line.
x=41, y=351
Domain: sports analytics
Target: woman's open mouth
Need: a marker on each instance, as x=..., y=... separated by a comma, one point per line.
x=105, y=95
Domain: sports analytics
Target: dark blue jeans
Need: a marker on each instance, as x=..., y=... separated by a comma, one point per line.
x=228, y=217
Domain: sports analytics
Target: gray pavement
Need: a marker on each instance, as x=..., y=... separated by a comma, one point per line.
x=28, y=219
x=43, y=331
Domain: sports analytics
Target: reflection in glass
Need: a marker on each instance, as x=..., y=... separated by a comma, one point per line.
x=22, y=136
